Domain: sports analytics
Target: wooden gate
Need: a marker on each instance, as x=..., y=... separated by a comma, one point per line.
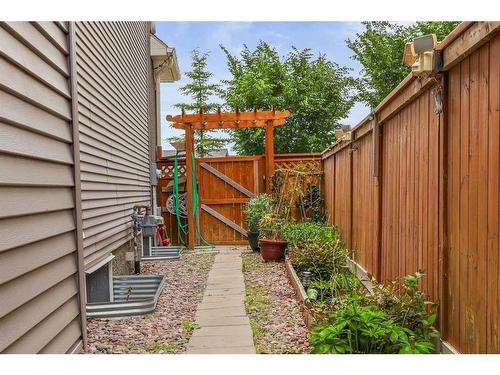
x=225, y=184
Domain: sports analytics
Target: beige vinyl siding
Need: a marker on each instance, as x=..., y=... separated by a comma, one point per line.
x=112, y=73
x=39, y=299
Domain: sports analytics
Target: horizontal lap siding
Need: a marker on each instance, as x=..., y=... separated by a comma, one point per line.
x=112, y=69
x=473, y=205
x=39, y=308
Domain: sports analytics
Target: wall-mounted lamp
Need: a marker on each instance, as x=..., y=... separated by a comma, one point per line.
x=419, y=54
x=344, y=133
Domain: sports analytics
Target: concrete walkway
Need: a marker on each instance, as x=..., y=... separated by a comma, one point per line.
x=224, y=324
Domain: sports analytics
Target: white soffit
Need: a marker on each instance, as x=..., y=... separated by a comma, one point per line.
x=164, y=60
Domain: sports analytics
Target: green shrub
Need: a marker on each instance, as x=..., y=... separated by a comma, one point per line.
x=272, y=226
x=322, y=259
x=300, y=233
x=255, y=209
x=406, y=305
x=395, y=319
x=355, y=329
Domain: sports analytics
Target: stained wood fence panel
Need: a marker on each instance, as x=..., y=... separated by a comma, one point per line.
x=364, y=197
x=438, y=189
x=473, y=223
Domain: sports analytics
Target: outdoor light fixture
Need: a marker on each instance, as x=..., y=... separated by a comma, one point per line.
x=306, y=279
x=344, y=133
x=419, y=54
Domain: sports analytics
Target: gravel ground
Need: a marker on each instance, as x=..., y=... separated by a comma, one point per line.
x=274, y=313
x=169, y=327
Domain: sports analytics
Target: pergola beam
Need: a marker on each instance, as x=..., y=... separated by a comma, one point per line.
x=227, y=124
x=228, y=116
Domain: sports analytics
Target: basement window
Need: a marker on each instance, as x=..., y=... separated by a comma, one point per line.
x=99, y=281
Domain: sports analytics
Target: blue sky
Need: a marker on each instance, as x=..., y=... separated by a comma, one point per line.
x=321, y=37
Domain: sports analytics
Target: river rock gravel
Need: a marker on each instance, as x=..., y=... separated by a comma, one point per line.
x=169, y=327
x=274, y=312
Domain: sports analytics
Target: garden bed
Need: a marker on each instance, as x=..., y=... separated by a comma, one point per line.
x=168, y=328
x=275, y=314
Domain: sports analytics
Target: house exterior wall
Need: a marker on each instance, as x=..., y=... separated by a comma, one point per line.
x=76, y=111
x=39, y=285
x=113, y=72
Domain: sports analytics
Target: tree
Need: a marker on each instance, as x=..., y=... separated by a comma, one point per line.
x=201, y=92
x=379, y=49
x=316, y=91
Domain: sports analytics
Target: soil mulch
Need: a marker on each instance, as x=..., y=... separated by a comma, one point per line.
x=274, y=313
x=169, y=327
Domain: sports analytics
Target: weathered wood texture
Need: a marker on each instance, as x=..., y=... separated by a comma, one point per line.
x=39, y=289
x=397, y=223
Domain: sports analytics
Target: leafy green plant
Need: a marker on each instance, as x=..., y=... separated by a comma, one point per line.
x=335, y=287
x=320, y=258
x=406, y=305
x=313, y=202
x=299, y=234
x=272, y=227
x=255, y=209
x=355, y=328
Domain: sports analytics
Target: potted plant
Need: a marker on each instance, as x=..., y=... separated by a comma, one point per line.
x=271, y=240
x=255, y=209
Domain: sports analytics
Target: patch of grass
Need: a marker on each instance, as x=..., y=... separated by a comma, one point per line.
x=157, y=347
x=189, y=326
x=257, y=302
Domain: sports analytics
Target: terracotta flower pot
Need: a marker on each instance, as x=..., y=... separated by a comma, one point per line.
x=253, y=240
x=272, y=250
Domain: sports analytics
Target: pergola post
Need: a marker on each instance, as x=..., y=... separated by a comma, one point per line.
x=189, y=185
x=269, y=154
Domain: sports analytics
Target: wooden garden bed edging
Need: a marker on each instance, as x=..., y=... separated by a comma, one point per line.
x=300, y=293
x=442, y=347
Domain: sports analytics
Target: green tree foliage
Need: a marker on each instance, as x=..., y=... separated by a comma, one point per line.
x=379, y=49
x=201, y=91
x=316, y=91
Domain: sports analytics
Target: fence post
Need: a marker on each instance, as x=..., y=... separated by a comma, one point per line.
x=442, y=205
x=189, y=185
x=377, y=166
x=269, y=154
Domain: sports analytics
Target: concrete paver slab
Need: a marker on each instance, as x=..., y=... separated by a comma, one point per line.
x=221, y=316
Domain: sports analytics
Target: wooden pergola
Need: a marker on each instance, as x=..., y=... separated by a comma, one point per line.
x=225, y=120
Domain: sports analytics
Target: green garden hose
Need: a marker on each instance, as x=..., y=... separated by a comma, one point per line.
x=183, y=229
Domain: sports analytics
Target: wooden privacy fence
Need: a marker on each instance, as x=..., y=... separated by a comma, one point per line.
x=225, y=185
x=417, y=187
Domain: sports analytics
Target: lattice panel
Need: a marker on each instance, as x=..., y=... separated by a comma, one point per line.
x=306, y=166
x=168, y=171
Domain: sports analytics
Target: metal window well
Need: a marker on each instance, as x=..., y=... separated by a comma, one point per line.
x=162, y=253
x=132, y=295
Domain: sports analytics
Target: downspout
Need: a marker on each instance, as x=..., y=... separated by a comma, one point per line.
x=77, y=181
x=153, y=120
